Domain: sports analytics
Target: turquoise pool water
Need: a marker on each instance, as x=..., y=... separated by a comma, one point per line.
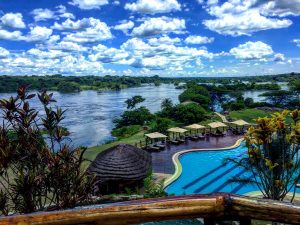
x=205, y=172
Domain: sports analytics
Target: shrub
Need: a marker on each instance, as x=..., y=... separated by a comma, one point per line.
x=161, y=125
x=35, y=175
x=125, y=132
x=138, y=116
x=190, y=113
x=64, y=86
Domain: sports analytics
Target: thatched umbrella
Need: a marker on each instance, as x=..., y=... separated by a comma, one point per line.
x=216, y=125
x=177, y=130
x=120, y=165
x=195, y=127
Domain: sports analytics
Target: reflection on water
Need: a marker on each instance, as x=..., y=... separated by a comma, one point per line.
x=90, y=113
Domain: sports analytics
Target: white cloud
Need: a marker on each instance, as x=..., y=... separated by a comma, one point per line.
x=193, y=39
x=237, y=17
x=153, y=6
x=4, y=53
x=108, y=55
x=160, y=25
x=116, y=3
x=13, y=36
x=51, y=54
x=68, y=46
x=88, y=4
x=94, y=31
x=279, y=57
x=297, y=42
x=43, y=14
x=125, y=26
x=62, y=11
x=252, y=50
x=163, y=40
x=279, y=7
x=245, y=24
x=69, y=24
x=14, y=20
x=47, y=14
x=38, y=34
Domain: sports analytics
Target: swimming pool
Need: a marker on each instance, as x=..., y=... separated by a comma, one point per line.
x=205, y=172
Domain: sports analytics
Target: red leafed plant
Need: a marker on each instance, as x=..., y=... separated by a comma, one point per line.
x=39, y=170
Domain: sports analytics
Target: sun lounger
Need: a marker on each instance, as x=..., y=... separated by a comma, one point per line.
x=174, y=142
x=161, y=146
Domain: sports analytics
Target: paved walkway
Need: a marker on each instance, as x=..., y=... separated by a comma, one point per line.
x=162, y=161
x=224, y=119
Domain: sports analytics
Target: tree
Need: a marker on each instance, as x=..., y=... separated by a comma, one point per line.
x=132, y=102
x=138, y=116
x=161, y=125
x=190, y=113
x=196, y=93
x=273, y=155
x=280, y=97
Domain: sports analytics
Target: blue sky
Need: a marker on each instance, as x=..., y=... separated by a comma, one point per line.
x=149, y=37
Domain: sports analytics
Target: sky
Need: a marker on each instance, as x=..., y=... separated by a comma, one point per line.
x=169, y=38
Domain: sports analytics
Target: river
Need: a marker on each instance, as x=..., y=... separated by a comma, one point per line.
x=90, y=114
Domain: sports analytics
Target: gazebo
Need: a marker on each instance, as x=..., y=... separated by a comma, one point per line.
x=195, y=127
x=217, y=125
x=155, y=137
x=241, y=124
x=119, y=167
x=175, y=131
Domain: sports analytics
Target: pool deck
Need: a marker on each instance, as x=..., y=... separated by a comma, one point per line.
x=162, y=161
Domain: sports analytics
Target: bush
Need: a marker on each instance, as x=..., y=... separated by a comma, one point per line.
x=35, y=175
x=125, y=132
x=138, y=116
x=152, y=189
x=161, y=125
x=190, y=113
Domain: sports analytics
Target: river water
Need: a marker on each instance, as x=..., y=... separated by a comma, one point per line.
x=90, y=114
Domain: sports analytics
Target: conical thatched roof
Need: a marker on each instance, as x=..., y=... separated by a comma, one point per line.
x=121, y=162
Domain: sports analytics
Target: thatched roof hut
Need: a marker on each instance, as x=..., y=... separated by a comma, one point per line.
x=120, y=166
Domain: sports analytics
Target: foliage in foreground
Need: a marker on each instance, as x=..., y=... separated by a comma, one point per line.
x=273, y=155
x=36, y=174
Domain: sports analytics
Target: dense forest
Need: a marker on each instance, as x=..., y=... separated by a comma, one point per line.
x=75, y=84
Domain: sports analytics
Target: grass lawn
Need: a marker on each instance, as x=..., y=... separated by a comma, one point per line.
x=248, y=114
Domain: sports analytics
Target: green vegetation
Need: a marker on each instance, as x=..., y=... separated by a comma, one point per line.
x=132, y=102
x=34, y=174
x=53, y=82
x=272, y=155
x=196, y=93
x=126, y=131
x=248, y=115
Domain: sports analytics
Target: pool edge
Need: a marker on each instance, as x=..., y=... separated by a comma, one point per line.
x=178, y=166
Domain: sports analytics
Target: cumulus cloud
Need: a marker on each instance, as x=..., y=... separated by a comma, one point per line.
x=252, y=50
x=278, y=57
x=279, y=7
x=160, y=25
x=38, y=34
x=236, y=17
x=13, y=36
x=42, y=14
x=88, y=4
x=93, y=30
x=67, y=46
x=4, y=53
x=47, y=14
x=125, y=26
x=14, y=20
x=163, y=40
x=193, y=39
x=51, y=54
x=297, y=42
x=153, y=6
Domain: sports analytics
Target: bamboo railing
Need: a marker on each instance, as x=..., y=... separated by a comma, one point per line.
x=212, y=208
